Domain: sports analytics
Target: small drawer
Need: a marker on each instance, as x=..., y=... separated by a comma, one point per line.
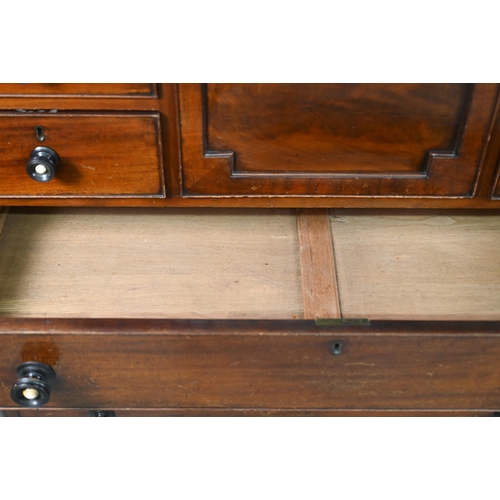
x=78, y=90
x=100, y=155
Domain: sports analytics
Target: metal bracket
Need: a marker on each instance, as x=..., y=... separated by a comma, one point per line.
x=342, y=321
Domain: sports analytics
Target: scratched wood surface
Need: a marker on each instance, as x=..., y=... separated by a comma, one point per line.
x=435, y=266
x=150, y=263
x=106, y=364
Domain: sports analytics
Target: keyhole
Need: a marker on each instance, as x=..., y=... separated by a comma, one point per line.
x=336, y=348
x=40, y=133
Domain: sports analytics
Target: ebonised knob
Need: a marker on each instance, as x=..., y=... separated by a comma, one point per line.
x=32, y=389
x=42, y=164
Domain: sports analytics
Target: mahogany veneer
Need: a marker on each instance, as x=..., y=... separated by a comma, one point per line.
x=101, y=155
x=290, y=145
x=256, y=285
x=259, y=364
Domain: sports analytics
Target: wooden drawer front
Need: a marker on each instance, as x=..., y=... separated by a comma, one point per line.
x=78, y=89
x=388, y=140
x=260, y=364
x=101, y=155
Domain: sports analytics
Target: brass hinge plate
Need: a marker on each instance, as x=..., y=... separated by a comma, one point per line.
x=342, y=321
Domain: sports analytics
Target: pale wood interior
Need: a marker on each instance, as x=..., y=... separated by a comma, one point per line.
x=270, y=264
x=427, y=266
x=64, y=262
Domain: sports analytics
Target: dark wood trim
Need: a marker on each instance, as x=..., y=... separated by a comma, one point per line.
x=169, y=108
x=248, y=412
x=152, y=93
x=191, y=327
x=491, y=155
x=495, y=189
x=408, y=204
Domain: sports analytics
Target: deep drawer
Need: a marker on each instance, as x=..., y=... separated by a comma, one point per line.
x=248, y=280
x=100, y=154
x=258, y=364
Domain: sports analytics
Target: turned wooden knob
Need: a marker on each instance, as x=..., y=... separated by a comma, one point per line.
x=42, y=164
x=32, y=389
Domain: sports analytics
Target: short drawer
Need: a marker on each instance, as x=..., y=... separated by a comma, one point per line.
x=258, y=364
x=78, y=90
x=101, y=155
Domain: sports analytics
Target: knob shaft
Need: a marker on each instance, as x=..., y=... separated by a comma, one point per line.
x=42, y=164
x=32, y=389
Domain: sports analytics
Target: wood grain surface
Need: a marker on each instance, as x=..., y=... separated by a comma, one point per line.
x=100, y=154
x=317, y=265
x=258, y=364
x=331, y=127
x=150, y=263
x=418, y=266
x=282, y=189
x=335, y=140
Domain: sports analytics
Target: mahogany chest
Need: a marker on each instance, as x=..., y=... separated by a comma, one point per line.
x=249, y=249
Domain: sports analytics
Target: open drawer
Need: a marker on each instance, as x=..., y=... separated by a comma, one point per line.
x=250, y=312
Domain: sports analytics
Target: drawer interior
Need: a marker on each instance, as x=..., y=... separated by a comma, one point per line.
x=155, y=263
x=248, y=264
x=419, y=266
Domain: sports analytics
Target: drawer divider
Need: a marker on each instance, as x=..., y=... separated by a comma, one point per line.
x=317, y=264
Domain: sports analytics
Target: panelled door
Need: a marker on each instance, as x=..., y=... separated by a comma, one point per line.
x=347, y=140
